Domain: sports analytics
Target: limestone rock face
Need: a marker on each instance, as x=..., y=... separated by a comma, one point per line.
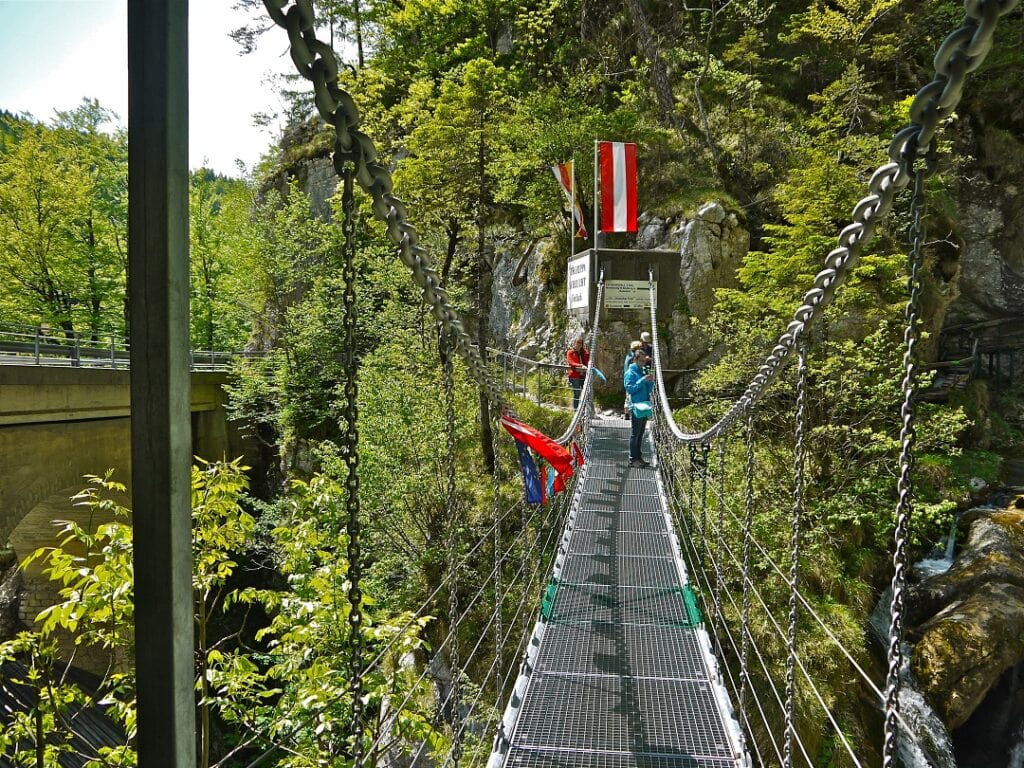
x=529, y=319
x=519, y=312
x=971, y=618
x=990, y=225
x=711, y=248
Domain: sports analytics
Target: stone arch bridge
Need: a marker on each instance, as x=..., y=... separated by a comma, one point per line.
x=58, y=424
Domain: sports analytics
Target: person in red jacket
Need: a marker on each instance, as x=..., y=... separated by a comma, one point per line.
x=577, y=358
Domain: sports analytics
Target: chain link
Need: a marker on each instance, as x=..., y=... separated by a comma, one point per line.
x=719, y=541
x=794, y=566
x=904, y=504
x=350, y=450
x=702, y=470
x=499, y=566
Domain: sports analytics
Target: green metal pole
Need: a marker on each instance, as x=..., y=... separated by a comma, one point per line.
x=161, y=427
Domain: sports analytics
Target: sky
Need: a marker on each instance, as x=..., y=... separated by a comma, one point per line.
x=54, y=53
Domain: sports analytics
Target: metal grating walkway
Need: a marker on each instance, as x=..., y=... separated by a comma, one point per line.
x=619, y=672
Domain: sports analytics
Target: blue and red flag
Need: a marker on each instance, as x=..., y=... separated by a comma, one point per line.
x=531, y=480
x=554, y=454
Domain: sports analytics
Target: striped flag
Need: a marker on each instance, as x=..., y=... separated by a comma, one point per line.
x=566, y=175
x=618, y=186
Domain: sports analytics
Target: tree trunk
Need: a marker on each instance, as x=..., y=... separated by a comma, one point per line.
x=483, y=300
x=682, y=124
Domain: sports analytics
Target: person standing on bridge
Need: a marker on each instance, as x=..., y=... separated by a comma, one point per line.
x=638, y=384
x=577, y=358
x=645, y=344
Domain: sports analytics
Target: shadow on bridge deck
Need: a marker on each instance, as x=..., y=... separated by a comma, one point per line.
x=620, y=671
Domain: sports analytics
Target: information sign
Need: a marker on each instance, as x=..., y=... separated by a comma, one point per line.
x=577, y=286
x=628, y=294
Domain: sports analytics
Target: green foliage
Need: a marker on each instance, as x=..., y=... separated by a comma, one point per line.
x=297, y=690
x=63, y=224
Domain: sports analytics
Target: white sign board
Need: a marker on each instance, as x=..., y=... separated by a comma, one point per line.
x=628, y=294
x=577, y=285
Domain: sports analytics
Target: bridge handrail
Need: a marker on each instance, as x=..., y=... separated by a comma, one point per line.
x=40, y=346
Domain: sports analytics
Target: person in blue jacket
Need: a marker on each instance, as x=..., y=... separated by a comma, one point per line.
x=638, y=384
x=633, y=347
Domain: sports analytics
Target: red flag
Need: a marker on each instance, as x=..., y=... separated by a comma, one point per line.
x=553, y=453
x=566, y=175
x=577, y=454
x=618, y=186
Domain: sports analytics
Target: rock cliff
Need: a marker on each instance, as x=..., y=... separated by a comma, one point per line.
x=967, y=624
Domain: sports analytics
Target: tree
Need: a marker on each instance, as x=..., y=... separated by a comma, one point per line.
x=63, y=221
x=221, y=245
x=450, y=178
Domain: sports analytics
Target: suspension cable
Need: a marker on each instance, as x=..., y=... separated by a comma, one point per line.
x=794, y=567
x=904, y=507
x=809, y=608
x=351, y=458
x=748, y=514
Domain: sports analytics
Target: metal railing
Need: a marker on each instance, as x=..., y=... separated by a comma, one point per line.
x=43, y=346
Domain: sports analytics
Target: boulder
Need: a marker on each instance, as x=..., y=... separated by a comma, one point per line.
x=966, y=648
x=992, y=553
x=968, y=623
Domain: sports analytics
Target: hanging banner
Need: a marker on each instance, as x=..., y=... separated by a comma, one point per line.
x=577, y=284
x=628, y=294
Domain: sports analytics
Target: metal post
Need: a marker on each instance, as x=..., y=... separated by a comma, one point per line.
x=539, y=376
x=161, y=426
x=37, y=345
x=113, y=352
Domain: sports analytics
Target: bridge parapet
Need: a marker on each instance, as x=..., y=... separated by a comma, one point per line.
x=58, y=424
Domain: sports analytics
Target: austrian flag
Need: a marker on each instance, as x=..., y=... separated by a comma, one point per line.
x=618, y=186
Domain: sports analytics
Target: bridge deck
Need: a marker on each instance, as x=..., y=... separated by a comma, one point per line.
x=619, y=671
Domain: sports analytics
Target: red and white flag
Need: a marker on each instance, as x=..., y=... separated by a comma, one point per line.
x=566, y=175
x=618, y=186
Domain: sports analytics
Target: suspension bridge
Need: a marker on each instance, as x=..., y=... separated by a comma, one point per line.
x=642, y=654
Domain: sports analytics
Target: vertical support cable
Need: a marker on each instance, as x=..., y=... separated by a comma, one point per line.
x=794, y=566
x=748, y=513
x=453, y=543
x=499, y=565
x=719, y=542
x=351, y=456
x=705, y=450
x=904, y=504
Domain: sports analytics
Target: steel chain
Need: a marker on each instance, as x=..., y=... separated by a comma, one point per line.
x=719, y=540
x=702, y=469
x=315, y=61
x=448, y=373
x=748, y=514
x=904, y=504
x=794, y=567
x=350, y=448
x=499, y=566
x=961, y=53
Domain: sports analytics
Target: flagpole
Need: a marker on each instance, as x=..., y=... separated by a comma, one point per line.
x=572, y=208
x=596, y=231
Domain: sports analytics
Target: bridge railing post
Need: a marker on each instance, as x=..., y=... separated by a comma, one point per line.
x=37, y=334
